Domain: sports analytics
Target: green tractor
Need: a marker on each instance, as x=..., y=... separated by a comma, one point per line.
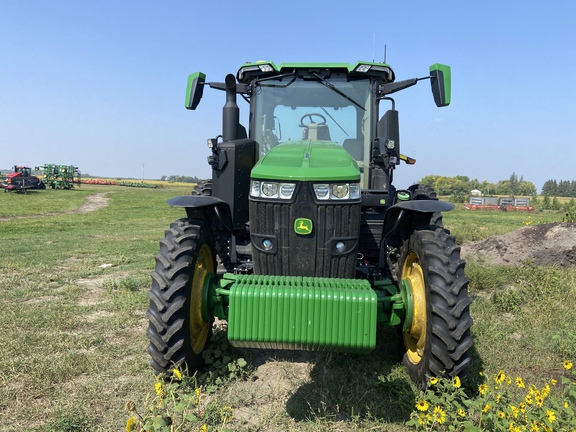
x=300, y=241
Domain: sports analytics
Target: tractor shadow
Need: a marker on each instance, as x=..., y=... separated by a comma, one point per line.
x=353, y=387
x=344, y=387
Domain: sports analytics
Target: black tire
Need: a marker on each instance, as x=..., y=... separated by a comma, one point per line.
x=178, y=330
x=438, y=340
x=203, y=187
x=425, y=192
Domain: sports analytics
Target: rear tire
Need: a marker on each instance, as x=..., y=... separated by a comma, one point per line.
x=425, y=192
x=203, y=187
x=438, y=340
x=178, y=329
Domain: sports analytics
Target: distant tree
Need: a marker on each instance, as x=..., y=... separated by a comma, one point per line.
x=526, y=188
x=503, y=187
x=514, y=183
x=550, y=188
x=180, y=179
x=564, y=188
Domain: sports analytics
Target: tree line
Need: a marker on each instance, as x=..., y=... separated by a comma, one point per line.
x=180, y=179
x=563, y=188
x=460, y=186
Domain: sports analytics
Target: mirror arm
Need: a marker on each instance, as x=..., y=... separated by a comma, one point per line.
x=240, y=88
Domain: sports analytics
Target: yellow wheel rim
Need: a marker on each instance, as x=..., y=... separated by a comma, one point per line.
x=415, y=336
x=199, y=329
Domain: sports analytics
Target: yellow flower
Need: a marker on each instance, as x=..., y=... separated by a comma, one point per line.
x=522, y=407
x=514, y=411
x=439, y=415
x=177, y=373
x=519, y=382
x=226, y=414
x=130, y=423
x=422, y=405
x=551, y=416
x=456, y=382
x=421, y=419
x=158, y=388
x=501, y=414
x=204, y=428
x=483, y=389
x=486, y=408
x=565, y=404
x=529, y=399
x=197, y=391
x=534, y=426
x=553, y=382
x=567, y=365
x=539, y=400
x=433, y=380
x=500, y=377
x=498, y=398
x=546, y=391
x=462, y=413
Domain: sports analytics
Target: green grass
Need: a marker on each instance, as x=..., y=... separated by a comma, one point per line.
x=74, y=296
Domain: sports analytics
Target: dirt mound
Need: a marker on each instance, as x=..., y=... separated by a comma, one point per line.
x=543, y=244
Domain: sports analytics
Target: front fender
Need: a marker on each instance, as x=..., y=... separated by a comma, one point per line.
x=192, y=203
x=415, y=213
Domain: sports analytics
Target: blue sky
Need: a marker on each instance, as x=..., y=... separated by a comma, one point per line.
x=100, y=84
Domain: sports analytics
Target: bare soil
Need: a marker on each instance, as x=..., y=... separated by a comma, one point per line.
x=543, y=244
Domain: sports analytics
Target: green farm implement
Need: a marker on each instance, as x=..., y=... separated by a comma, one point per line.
x=61, y=176
x=300, y=240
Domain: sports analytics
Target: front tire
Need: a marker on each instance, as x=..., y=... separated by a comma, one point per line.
x=438, y=339
x=179, y=330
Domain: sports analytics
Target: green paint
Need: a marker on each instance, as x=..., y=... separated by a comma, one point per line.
x=307, y=161
x=284, y=312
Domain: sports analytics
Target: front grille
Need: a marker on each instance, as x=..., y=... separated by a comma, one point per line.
x=313, y=255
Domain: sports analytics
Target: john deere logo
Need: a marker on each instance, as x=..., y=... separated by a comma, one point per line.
x=303, y=226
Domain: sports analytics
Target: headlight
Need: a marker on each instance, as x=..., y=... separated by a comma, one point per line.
x=337, y=191
x=321, y=191
x=270, y=189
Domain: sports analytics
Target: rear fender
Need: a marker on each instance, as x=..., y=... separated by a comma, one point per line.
x=415, y=213
x=208, y=207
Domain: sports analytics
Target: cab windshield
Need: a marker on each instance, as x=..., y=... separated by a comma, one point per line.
x=336, y=110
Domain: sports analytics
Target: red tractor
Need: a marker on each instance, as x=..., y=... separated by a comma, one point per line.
x=21, y=180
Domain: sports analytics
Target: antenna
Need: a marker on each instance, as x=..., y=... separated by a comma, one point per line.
x=385, y=53
x=373, y=47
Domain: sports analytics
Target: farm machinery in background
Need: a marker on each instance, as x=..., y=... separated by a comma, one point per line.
x=300, y=240
x=495, y=203
x=21, y=180
x=61, y=176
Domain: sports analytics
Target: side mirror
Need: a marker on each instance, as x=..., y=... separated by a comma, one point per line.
x=389, y=136
x=440, y=79
x=194, y=90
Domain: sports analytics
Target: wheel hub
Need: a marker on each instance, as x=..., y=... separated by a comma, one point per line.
x=415, y=331
x=199, y=328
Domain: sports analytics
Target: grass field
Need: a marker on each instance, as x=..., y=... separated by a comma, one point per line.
x=72, y=324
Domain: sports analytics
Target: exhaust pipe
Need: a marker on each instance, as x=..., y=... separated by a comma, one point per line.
x=230, y=111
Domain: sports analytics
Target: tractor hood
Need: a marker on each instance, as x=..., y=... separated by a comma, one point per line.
x=307, y=161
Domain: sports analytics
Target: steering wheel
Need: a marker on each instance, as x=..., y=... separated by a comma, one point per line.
x=311, y=117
